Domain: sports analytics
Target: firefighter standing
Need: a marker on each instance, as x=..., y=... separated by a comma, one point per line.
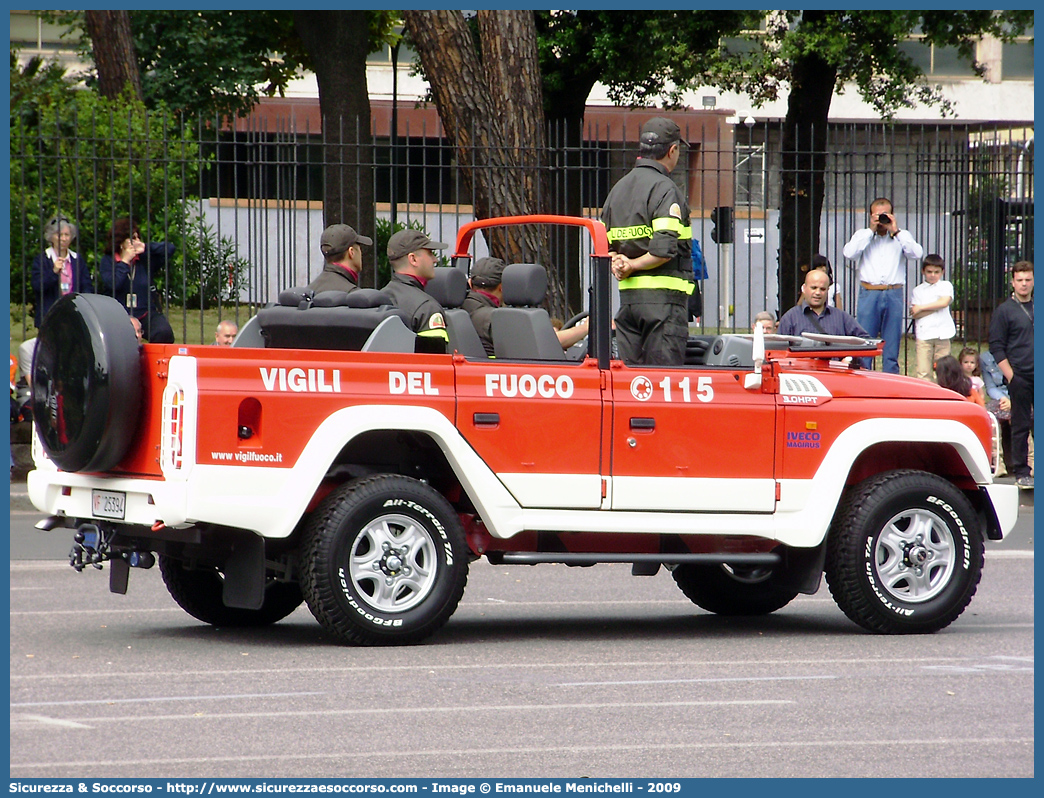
x=647, y=218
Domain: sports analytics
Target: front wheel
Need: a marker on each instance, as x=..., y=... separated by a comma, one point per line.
x=905, y=553
x=735, y=590
x=384, y=561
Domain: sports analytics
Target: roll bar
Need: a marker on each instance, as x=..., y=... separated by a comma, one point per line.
x=600, y=291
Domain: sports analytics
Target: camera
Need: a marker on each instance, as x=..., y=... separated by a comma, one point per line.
x=884, y=218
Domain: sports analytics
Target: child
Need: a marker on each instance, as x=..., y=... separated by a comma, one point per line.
x=949, y=374
x=969, y=359
x=930, y=308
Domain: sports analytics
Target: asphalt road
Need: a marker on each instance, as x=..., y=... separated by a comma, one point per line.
x=542, y=672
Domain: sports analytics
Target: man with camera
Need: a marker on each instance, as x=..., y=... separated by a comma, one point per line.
x=880, y=252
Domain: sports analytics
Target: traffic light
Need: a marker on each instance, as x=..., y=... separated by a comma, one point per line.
x=722, y=215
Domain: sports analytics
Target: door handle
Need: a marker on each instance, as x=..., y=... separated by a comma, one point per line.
x=643, y=423
x=486, y=419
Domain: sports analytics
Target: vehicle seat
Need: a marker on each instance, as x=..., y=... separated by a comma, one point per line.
x=696, y=348
x=521, y=330
x=328, y=320
x=391, y=335
x=250, y=334
x=732, y=351
x=449, y=287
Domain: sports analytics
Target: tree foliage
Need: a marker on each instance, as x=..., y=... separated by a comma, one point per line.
x=204, y=63
x=643, y=59
x=863, y=49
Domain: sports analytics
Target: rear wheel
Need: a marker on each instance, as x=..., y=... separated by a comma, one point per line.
x=905, y=553
x=734, y=590
x=384, y=561
x=198, y=592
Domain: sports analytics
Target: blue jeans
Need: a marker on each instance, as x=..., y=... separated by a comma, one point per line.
x=880, y=313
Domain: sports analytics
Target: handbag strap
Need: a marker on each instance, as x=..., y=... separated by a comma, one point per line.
x=816, y=324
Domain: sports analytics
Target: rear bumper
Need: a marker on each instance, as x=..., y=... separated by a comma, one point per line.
x=148, y=502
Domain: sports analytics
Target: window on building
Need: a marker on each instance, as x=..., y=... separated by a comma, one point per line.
x=1017, y=63
x=935, y=61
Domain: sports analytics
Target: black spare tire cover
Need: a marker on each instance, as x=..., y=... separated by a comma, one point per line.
x=86, y=381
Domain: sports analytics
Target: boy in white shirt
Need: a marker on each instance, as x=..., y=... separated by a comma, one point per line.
x=930, y=308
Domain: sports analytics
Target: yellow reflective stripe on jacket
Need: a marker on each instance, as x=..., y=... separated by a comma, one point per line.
x=662, y=283
x=673, y=225
x=435, y=334
x=629, y=233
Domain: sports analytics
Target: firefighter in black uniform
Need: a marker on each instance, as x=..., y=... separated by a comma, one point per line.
x=340, y=247
x=412, y=257
x=647, y=218
x=485, y=296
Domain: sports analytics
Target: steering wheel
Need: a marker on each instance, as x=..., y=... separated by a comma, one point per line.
x=575, y=320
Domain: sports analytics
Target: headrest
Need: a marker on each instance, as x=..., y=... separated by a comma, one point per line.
x=330, y=299
x=449, y=286
x=368, y=298
x=293, y=297
x=525, y=284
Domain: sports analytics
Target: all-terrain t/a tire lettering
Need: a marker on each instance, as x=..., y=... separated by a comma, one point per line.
x=905, y=553
x=384, y=561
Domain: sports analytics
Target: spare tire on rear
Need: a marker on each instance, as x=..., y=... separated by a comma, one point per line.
x=86, y=381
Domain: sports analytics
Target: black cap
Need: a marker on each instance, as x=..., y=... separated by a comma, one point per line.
x=338, y=237
x=487, y=272
x=406, y=241
x=660, y=130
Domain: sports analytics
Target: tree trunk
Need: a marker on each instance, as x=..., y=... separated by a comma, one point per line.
x=803, y=154
x=114, y=55
x=338, y=42
x=490, y=104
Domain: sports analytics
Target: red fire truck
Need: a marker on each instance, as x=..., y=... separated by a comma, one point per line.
x=327, y=458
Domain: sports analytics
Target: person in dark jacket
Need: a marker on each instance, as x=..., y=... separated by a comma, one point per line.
x=126, y=273
x=58, y=270
x=340, y=245
x=1011, y=343
x=411, y=255
x=650, y=239
x=814, y=315
x=487, y=294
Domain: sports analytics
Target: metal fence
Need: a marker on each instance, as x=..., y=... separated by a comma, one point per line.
x=244, y=206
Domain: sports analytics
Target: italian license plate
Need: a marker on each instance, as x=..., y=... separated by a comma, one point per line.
x=109, y=504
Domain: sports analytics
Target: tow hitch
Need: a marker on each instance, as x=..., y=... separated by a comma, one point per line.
x=92, y=545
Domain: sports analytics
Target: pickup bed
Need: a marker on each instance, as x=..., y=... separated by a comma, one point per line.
x=326, y=459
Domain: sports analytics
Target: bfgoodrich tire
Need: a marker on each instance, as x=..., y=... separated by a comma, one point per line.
x=86, y=383
x=198, y=592
x=383, y=561
x=905, y=553
x=727, y=590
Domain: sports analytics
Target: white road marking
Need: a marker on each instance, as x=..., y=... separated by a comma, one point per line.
x=105, y=611
x=439, y=710
x=347, y=670
x=1020, y=554
x=466, y=754
x=158, y=699
x=696, y=681
x=32, y=720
